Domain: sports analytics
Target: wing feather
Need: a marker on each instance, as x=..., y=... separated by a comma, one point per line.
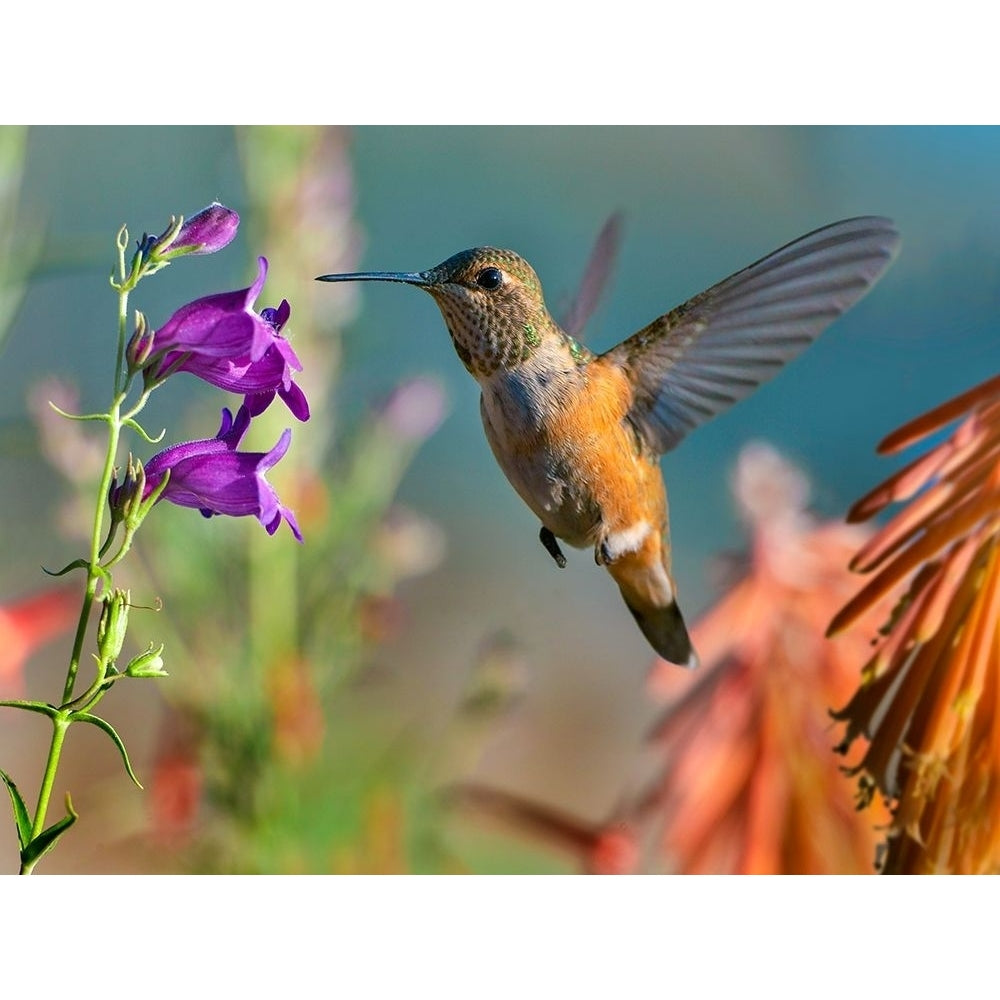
x=715, y=349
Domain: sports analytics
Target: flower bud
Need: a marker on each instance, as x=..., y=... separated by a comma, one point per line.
x=147, y=664
x=205, y=232
x=113, y=625
x=125, y=498
x=140, y=345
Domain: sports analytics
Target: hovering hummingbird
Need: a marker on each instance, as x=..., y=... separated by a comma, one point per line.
x=579, y=435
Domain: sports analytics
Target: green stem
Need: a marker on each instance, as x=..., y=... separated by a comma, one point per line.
x=81, y=634
x=60, y=724
x=123, y=289
x=93, y=573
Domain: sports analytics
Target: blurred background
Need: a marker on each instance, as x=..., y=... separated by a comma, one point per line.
x=344, y=707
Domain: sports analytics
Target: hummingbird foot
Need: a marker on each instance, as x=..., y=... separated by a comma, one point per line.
x=552, y=546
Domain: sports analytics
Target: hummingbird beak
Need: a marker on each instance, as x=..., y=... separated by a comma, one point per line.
x=407, y=277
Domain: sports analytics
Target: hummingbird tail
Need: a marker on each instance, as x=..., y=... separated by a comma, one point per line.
x=666, y=632
x=648, y=591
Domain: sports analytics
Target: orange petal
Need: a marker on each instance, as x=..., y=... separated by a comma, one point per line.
x=930, y=421
x=902, y=484
x=898, y=531
x=958, y=523
x=947, y=581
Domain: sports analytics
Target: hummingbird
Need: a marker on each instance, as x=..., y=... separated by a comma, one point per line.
x=579, y=435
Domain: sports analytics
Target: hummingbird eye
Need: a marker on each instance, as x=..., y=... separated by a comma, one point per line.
x=490, y=278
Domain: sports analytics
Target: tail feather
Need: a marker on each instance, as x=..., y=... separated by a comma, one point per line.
x=666, y=632
x=643, y=578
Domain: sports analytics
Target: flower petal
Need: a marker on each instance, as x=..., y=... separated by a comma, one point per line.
x=213, y=477
x=253, y=377
x=217, y=326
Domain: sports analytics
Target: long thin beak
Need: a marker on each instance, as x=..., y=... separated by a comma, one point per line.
x=407, y=277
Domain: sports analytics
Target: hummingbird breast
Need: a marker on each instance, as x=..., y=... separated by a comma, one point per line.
x=559, y=432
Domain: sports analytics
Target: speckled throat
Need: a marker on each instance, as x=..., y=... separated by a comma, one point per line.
x=492, y=303
x=486, y=339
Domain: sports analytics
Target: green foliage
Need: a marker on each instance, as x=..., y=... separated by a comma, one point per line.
x=21, y=817
x=106, y=727
x=39, y=846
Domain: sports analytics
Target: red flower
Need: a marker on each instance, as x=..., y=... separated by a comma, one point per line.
x=28, y=623
x=175, y=796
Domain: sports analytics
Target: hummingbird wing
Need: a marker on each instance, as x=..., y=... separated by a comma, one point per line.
x=715, y=349
x=595, y=276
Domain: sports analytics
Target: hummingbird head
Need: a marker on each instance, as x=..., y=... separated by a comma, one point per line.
x=491, y=301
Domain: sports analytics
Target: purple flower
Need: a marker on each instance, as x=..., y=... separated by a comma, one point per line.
x=222, y=341
x=216, y=326
x=215, y=478
x=257, y=380
x=206, y=231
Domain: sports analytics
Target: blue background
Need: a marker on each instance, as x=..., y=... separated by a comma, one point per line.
x=699, y=203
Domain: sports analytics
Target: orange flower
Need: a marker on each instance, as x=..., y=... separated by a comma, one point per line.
x=748, y=781
x=928, y=695
x=299, y=726
x=751, y=785
x=28, y=623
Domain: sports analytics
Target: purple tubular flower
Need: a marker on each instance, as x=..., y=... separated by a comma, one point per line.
x=222, y=341
x=259, y=380
x=216, y=326
x=206, y=231
x=215, y=478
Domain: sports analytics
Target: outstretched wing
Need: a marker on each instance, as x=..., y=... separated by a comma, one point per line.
x=595, y=276
x=707, y=354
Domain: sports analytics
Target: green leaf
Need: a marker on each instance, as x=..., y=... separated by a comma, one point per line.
x=75, y=564
x=95, y=720
x=138, y=428
x=80, y=416
x=43, y=708
x=46, y=840
x=21, y=816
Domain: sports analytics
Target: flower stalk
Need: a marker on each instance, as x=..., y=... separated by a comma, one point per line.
x=209, y=475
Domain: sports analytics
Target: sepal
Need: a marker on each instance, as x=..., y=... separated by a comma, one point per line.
x=147, y=664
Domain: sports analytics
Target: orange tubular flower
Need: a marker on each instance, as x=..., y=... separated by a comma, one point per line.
x=928, y=696
x=751, y=785
x=747, y=781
